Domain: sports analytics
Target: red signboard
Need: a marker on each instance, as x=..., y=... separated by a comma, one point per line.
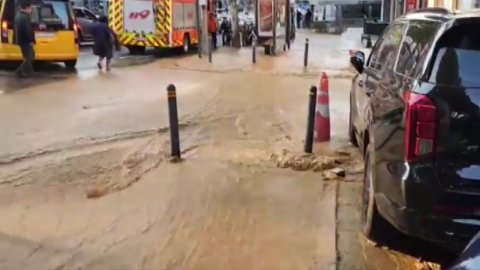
x=410, y=5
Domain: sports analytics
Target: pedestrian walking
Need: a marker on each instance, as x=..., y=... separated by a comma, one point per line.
x=299, y=19
x=24, y=37
x=308, y=18
x=226, y=30
x=212, y=28
x=105, y=41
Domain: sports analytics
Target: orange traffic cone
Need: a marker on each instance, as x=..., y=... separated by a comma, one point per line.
x=322, y=113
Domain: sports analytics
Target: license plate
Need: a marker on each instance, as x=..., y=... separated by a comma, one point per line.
x=139, y=38
x=43, y=35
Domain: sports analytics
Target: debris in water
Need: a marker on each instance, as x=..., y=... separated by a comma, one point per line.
x=303, y=162
x=332, y=165
x=342, y=153
x=96, y=192
x=424, y=265
x=175, y=159
x=338, y=172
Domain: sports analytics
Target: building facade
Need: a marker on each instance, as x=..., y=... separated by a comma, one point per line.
x=455, y=4
x=392, y=9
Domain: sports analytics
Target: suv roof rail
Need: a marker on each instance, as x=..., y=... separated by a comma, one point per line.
x=439, y=10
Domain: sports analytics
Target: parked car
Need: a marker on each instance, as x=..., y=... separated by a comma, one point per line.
x=415, y=115
x=85, y=20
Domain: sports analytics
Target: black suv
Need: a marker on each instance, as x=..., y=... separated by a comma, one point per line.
x=414, y=112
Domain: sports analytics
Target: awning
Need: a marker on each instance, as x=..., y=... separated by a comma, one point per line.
x=345, y=2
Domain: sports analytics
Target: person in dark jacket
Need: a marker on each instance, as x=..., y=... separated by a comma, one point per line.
x=104, y=42
x=299, y=19
x=226, y=30
x=24, y=37
x=308, y=18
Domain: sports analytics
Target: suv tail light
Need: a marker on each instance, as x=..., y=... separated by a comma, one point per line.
x=420, y=125
x=4, y=31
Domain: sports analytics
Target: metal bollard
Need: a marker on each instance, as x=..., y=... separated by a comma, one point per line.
x=305, y=56
x=254, y=50
x=210, y=48
x=173, y=119
x=369, y=42
x=199, y=46
x=311, y=118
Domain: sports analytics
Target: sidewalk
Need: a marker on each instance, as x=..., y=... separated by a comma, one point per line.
x=327, y=53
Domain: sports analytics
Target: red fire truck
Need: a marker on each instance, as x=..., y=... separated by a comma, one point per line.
x=154, y=23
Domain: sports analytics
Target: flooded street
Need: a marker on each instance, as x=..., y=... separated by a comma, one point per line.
x=86, y=181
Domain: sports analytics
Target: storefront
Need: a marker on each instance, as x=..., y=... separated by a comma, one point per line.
x=454, y=4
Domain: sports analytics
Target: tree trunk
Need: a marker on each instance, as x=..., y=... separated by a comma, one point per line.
x=236, y=43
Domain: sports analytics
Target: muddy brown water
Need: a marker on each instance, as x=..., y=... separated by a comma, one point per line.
x=228, y=205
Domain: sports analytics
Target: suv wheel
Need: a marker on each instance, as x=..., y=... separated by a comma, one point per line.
x=374, y=226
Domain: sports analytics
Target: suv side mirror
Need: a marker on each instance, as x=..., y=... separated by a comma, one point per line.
x=358, y=61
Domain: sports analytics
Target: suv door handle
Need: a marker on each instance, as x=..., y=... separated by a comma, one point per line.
x=360, y=83
x=369, y=92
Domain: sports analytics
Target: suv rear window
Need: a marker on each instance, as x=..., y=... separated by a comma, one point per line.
x=456, y=59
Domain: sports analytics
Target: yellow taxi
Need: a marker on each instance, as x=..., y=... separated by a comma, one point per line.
x=56, y=31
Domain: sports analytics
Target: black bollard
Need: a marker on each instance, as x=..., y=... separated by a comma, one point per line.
x=369, y=42
x=173, y=119
x=254, y=50
x=210, y=48
x=199, y=45
x=305, y=56
x=311, y=118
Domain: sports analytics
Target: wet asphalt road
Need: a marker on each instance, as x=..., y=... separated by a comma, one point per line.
x=47, y=72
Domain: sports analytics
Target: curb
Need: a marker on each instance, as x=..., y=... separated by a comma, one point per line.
x=347, y=73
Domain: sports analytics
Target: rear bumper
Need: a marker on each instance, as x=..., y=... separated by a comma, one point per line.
x=39, y=57
x=12, y=53
x=411, y=198
x=449, y=232
x=136, y=39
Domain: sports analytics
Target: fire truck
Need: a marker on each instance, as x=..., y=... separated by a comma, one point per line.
x=155, y=23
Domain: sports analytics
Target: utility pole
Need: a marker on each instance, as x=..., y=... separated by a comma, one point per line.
x=236, y=43
x=274, y=29
x=203, y=26
x=288, y=23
